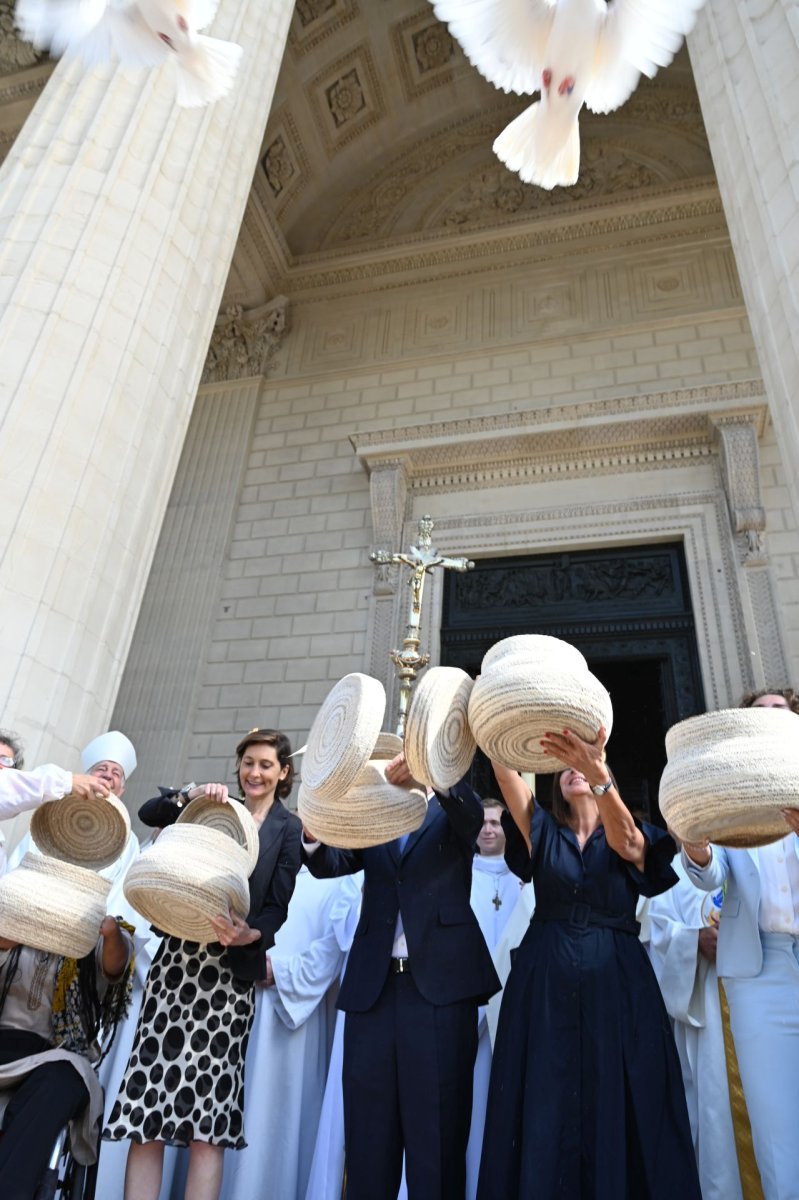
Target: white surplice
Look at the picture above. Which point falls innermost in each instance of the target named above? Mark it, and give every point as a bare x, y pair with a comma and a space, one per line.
494, 896
289, 1048
326, 1174
689, 984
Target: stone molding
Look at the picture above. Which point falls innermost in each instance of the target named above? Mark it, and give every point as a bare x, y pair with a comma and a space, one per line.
244, 344
629, 433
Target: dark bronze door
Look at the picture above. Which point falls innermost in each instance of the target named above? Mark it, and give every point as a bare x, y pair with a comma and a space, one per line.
627, 609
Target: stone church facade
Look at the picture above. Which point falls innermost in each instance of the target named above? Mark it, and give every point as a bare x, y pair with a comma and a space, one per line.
226, 389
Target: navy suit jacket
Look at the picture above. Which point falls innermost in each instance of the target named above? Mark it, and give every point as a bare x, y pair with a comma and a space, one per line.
429, 883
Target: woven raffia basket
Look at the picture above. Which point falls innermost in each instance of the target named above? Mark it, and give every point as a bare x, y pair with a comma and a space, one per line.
343, 735
372, 811
189, 874
87, 831
231, 819
53, 906
439, 745
728, 775
531, 685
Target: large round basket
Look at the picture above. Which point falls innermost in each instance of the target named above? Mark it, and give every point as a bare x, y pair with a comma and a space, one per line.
343, 735
439, 745
187, 876
729, 774
232, 819
88, 831
538, 685
52, 905
371, 812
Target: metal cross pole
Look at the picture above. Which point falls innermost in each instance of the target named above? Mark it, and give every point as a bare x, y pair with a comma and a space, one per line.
422, 558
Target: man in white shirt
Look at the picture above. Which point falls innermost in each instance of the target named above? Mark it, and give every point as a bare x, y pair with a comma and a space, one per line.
21, 791
758, 961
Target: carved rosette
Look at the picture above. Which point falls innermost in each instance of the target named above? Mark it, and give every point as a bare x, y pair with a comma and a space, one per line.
388, 490
740, 465
244, 344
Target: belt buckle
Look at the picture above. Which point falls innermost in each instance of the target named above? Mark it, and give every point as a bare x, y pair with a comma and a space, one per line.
401, 966
580, 914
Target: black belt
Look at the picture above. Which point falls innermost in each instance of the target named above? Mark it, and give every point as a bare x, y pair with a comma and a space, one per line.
400, 966
580, 916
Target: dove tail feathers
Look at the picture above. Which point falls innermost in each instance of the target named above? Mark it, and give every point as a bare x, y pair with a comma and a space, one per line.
207, 71
541, 148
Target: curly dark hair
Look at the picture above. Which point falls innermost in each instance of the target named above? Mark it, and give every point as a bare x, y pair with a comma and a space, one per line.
282, 748
787, 693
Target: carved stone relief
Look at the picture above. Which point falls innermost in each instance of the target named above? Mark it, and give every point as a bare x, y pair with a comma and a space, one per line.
15, 55
346, 98
737, 437
244, 344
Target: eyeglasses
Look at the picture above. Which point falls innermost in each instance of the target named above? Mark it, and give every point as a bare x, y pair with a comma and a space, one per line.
6, 760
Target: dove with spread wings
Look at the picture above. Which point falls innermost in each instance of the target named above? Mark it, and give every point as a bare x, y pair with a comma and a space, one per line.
139, 33
574, 52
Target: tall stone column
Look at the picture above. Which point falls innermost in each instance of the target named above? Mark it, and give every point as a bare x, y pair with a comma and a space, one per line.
745, 57
119, 214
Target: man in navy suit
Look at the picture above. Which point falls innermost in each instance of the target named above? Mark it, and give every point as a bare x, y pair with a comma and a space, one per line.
418, 969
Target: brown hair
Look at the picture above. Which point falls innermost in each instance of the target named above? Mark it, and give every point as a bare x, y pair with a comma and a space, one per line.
787, 693
490, 802
282, 748
561, 809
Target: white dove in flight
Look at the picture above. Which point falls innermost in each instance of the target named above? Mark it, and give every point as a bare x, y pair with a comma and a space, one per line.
574, 52
139, 33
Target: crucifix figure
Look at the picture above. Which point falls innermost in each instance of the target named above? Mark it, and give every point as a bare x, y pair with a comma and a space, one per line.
422, 558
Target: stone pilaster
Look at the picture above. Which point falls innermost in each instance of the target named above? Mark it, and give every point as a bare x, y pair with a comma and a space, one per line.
164, 670
119, 214
388, 490
746, 65
740, 468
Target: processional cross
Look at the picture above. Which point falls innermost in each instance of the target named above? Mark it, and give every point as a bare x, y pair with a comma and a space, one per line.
422, 559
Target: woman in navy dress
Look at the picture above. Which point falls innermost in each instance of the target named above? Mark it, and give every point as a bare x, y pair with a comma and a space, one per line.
586, 1099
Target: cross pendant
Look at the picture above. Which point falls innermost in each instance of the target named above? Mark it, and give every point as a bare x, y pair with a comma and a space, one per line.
497, 902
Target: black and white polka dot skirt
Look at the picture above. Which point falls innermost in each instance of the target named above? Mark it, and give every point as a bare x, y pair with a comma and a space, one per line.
185, 1078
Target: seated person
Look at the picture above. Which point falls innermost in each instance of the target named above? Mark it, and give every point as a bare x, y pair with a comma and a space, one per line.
51, 1012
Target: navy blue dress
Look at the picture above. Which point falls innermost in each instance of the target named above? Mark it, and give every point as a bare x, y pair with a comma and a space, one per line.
586, 1100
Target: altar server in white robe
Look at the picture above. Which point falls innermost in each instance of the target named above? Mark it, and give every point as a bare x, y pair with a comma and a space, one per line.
494, 896
326, 1176
289, 1048
682, 947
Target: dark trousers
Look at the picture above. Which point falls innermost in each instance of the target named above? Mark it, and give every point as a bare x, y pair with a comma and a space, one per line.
38, 1110
408, 1071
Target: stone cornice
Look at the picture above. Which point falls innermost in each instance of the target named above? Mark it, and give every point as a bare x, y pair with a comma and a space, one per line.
662, 216
629, 433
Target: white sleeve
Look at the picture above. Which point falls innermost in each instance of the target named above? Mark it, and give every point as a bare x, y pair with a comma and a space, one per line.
24, 790
301, 980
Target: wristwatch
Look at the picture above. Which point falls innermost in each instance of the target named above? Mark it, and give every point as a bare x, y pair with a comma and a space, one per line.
601, 788
184, 793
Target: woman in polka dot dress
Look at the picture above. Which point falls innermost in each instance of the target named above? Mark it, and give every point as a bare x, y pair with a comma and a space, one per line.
184, 1083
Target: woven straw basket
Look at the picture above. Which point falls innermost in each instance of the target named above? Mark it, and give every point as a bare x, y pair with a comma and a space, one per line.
53, 906
439, 745
231, 819
531, 687
343, 735
87, 831
371, 812
728, 775
190, 874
